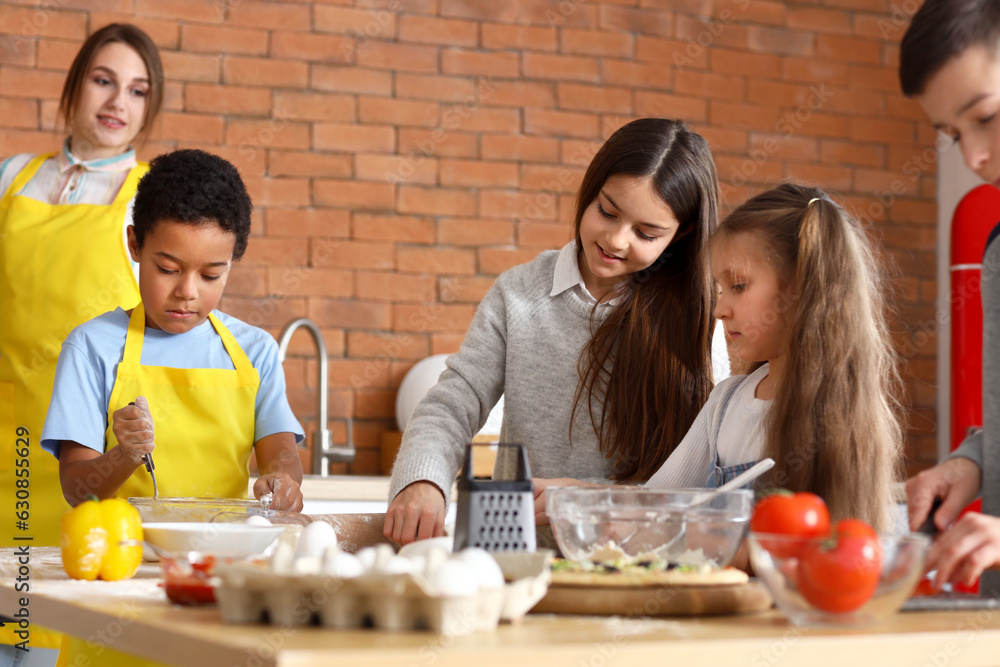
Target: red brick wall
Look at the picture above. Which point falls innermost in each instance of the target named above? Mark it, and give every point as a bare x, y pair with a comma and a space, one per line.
402, 153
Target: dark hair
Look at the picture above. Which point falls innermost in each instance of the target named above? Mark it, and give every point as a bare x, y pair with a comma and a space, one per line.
940, 31
833, 428
131, 36
194, 187
649, 363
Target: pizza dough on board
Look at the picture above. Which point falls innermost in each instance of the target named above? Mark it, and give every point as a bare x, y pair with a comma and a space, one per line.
641, 577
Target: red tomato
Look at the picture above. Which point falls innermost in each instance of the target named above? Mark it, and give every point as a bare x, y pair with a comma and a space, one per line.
854, 528
841, 574
802, 515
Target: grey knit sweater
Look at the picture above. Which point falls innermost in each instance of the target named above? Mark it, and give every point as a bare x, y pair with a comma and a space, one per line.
525, 344
983, 446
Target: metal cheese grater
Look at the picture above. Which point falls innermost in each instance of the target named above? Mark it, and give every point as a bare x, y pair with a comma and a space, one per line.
496, 515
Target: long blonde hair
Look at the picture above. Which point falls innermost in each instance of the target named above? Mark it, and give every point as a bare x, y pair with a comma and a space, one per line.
834, 426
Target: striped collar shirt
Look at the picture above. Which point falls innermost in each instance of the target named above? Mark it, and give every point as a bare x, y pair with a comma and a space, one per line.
66, 179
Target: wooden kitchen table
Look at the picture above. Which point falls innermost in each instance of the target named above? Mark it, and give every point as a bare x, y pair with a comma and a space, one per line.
135, 617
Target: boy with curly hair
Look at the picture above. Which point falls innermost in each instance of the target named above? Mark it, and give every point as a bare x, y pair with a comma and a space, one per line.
196, 388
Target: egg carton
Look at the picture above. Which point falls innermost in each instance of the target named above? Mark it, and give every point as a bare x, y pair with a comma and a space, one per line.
251, 593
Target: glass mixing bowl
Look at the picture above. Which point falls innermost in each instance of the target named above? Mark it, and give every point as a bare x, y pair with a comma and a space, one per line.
192, 509
777, 561
677, 526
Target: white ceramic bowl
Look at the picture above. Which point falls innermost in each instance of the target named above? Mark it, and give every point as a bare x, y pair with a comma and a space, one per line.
230, 539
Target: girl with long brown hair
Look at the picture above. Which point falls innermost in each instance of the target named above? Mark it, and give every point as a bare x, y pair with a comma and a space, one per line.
800, 297
601, 350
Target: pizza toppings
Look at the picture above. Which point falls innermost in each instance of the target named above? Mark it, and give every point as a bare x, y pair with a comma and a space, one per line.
625, 566
611, 553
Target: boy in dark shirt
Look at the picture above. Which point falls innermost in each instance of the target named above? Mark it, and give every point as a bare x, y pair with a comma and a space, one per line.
950, 63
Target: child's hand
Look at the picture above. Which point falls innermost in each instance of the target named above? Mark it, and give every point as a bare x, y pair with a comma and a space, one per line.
286, 491
416, 513
133, 428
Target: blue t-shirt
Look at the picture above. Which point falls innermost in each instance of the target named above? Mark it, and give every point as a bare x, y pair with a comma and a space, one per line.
88, 364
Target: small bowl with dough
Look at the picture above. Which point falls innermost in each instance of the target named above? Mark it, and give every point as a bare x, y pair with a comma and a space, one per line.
617, 525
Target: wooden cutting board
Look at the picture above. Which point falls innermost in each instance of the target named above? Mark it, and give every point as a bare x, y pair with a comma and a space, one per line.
655, 600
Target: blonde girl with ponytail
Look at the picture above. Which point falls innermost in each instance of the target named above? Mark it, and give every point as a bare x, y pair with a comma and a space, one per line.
800, 295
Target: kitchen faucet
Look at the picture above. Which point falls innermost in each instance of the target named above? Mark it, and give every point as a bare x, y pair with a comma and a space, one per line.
323, 452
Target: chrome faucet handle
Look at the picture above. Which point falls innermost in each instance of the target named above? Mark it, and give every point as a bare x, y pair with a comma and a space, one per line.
265, 503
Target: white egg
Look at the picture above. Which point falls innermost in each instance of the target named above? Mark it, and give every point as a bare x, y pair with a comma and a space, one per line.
422, 547
257, 520
307, 565
488, 572
418, 564
337, 563
399, 565
281, 560
315, 539
455, 579
374, 558
435, 558
367, 558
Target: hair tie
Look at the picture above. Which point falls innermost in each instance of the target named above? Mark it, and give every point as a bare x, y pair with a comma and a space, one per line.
811, 201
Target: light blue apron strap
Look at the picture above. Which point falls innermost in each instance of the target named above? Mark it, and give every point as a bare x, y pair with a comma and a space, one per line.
714, 480
730, 472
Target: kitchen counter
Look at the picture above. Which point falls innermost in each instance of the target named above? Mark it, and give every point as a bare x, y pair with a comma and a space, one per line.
349, 487
345, 487
134, 616
351, 494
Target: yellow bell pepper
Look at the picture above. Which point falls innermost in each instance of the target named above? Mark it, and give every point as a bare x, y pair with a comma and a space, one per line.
92, 535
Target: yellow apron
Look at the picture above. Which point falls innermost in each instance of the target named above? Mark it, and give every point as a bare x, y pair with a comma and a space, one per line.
60, 265
203, 419
203, 425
